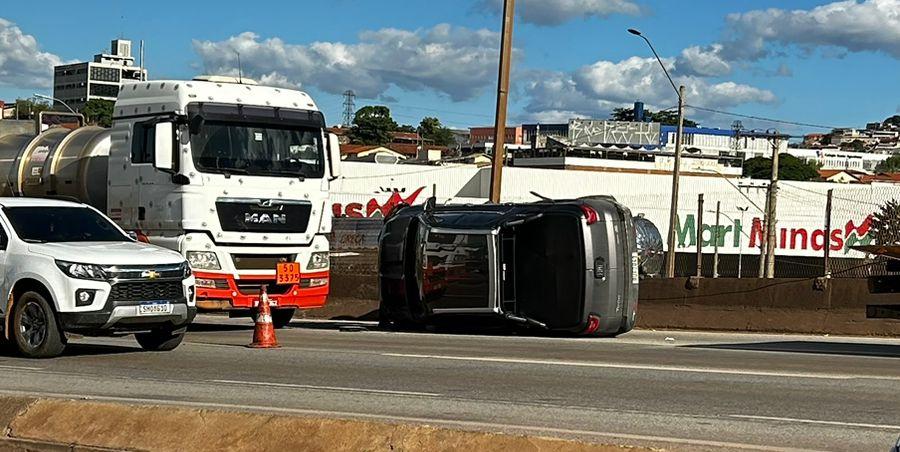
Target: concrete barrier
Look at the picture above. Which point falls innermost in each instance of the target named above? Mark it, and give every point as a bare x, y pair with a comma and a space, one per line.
83, 425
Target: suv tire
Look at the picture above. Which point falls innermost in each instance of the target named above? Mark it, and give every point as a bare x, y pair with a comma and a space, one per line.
159, 340
36, 333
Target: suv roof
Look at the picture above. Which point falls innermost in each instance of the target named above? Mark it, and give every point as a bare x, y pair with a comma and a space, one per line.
37, 202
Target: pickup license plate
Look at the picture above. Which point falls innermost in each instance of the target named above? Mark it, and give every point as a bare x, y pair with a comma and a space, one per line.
155, 308
287, 273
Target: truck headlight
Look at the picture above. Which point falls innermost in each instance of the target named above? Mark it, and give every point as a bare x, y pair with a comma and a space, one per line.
83, 271
318, 261
203, 260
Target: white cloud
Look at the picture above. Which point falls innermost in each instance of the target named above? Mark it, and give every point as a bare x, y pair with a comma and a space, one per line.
852, 25
455, 61
556, 12
596, 89
706, 62
22, 63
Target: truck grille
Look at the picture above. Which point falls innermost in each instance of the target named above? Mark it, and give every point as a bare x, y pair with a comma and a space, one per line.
260, 261
251, 287
147, 291
255, 215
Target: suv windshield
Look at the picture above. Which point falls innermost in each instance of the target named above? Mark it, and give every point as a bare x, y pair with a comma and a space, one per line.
263, 141
62, 224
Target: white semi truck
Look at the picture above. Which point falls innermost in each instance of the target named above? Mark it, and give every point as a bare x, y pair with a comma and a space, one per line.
233, 175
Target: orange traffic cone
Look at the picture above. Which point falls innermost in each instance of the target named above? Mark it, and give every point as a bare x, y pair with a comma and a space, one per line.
264, 333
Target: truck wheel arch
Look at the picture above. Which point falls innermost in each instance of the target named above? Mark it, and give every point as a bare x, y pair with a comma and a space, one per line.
20, 287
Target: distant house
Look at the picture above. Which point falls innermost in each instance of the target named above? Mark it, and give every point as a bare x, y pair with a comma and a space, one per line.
842, 176
372, 154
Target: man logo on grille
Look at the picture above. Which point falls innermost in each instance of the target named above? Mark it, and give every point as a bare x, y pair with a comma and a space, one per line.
150, 274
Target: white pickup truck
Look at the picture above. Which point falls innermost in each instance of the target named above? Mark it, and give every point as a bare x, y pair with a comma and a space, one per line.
67, 268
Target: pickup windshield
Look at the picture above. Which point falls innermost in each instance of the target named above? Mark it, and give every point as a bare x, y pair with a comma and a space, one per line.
62, 224
256, 141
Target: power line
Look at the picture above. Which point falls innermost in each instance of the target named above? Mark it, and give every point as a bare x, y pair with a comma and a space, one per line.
760, 118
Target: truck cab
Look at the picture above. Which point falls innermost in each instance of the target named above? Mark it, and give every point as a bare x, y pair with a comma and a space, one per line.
233, 175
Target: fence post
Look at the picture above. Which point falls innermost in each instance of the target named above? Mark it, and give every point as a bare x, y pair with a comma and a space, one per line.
716, 242
827, 261
700, 235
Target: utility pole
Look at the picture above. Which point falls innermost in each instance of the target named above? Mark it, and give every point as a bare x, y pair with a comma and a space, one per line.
676, 176
700, 235
763, 240
502, 98
716, 242
827, 262
771, 222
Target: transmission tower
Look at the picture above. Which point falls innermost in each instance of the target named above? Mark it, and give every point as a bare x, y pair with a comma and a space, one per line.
349, 107
736, 128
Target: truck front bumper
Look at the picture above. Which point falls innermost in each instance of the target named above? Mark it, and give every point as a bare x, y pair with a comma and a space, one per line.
243, 292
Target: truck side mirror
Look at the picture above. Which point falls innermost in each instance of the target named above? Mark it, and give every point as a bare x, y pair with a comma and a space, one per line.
334, 155
163, 143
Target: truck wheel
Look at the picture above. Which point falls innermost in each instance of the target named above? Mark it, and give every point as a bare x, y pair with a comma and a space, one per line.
159, 340
35, 331
282, 317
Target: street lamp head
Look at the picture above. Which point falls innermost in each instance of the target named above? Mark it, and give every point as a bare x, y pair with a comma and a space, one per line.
634, 32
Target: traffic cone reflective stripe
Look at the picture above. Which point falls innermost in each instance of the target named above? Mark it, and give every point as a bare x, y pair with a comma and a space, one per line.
264, 332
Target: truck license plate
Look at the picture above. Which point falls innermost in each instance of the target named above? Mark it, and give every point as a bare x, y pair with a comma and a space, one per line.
155, 308
287, 273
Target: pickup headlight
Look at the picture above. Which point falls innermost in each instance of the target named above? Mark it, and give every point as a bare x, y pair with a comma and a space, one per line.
203, 260
83, 271
318, 261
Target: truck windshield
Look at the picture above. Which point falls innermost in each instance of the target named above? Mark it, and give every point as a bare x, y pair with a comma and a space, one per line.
258, 149
62, 224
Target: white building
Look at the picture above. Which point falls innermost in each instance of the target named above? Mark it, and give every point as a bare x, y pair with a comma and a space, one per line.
836, 159
77, 83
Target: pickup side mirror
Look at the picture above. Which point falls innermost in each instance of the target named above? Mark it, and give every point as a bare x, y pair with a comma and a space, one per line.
163, 143
334, 155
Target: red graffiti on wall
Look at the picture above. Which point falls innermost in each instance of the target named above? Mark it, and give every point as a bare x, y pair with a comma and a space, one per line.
373, 208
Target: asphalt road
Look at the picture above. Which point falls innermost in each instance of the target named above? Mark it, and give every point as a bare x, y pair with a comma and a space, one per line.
681, 390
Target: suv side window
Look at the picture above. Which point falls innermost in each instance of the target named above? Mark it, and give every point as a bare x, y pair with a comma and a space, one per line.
4, 238
143, 142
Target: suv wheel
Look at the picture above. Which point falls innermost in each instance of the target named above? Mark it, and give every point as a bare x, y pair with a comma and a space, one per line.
159, 340
35, 331
282, 317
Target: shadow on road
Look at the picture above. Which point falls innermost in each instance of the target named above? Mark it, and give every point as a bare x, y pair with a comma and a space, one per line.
83, 349
823, 348
218, 327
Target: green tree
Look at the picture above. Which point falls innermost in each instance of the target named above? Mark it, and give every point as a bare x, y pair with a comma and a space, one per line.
891, 165
666, 117
789, 168
29, 109
98, 112
432, 129
372, 125
892, 121
854, 146
406, 128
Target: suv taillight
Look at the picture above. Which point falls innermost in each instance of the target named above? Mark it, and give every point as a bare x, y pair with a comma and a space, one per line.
593, 324
589, 214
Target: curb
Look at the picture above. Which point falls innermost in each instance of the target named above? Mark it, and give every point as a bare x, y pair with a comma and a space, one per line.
62, 424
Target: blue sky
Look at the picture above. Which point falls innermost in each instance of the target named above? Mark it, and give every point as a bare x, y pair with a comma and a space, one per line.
819, 62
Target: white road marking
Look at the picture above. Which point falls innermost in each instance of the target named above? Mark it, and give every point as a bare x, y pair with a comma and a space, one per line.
472, 425
812, 421
20, 367
704, 370
328, 388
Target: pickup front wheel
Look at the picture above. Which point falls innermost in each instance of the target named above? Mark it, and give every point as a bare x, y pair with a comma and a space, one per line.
35, 331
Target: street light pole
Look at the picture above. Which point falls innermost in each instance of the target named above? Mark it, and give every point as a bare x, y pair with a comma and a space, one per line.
51, 98
676, 169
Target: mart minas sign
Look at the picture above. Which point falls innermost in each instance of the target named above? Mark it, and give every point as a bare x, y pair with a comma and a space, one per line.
797, 240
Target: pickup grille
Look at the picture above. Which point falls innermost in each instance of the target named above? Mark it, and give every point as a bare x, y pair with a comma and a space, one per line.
147, 291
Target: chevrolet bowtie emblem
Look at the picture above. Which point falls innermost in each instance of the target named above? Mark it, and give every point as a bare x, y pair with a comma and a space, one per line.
150, 274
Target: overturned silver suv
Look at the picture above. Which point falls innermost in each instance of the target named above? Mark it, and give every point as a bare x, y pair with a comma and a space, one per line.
569, 266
